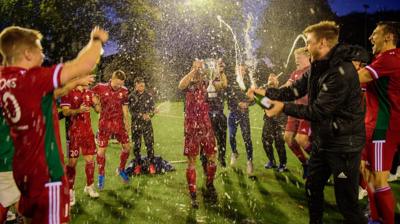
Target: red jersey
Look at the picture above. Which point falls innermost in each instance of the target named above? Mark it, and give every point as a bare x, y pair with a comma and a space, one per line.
111, 102
296, 75
30, 111
196, 106
80, 123
383, 94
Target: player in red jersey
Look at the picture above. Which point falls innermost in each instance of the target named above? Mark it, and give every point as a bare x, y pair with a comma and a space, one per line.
198, 130
382, 119
77, 105
297, 131
26, 90
114, 116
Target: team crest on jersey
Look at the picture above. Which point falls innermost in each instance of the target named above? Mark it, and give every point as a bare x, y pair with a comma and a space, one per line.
87, 97
106, 94
76, 98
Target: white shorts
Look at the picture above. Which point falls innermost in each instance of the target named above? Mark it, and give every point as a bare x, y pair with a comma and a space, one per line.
9, 193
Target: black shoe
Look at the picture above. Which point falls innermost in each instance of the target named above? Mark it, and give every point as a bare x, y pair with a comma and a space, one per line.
210, 194
193, 202
222, 162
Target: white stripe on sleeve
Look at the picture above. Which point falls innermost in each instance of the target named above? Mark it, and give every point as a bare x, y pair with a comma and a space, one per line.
56, 74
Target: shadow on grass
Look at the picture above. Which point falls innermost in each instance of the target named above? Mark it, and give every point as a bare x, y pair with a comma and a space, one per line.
117, 206
254, 209
296, 190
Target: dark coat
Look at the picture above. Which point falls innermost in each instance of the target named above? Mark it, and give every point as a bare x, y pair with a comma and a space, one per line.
334, 102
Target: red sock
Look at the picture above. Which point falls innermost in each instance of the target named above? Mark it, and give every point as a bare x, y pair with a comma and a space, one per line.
71, 176
191, 179
211, 169
123, 158
101, 163
372, 205
385, 203
3, 214
297, 151
89, 170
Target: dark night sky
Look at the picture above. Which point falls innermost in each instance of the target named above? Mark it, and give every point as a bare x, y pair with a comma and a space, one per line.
342, 7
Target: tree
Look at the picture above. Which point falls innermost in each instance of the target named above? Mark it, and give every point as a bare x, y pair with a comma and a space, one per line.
65, 25
283, 20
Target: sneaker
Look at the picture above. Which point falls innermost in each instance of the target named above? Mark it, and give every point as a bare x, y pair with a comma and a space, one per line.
193, 201
392, 177
89, 190
152, 168
137, 170
11, 216
211, 194
270, 165
305, 171
100, 184
282, 168
362, 193
71, 197
234, 157
123, 175
250, 168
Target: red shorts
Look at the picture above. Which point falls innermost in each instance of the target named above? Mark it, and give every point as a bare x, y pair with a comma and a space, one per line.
199, 136
298, 126
379, 154
108, 129
48, 204
81, 142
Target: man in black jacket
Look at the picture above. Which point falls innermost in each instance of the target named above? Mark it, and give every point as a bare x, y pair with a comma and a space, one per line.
141, 107
337, 121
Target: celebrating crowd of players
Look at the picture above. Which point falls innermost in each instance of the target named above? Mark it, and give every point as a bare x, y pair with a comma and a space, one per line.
332, 128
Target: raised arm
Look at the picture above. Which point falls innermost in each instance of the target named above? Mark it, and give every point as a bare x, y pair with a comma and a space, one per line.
188, 78
87, 57
222, 83
295, 91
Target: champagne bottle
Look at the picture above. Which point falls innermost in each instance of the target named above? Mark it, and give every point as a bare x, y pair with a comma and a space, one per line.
263, 101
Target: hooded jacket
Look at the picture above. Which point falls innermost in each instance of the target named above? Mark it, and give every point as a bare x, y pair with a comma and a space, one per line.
334, 107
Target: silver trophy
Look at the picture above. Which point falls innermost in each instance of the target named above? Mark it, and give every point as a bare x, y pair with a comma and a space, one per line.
210, 66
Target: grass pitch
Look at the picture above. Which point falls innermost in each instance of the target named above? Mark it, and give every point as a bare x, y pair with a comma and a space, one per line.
271, 198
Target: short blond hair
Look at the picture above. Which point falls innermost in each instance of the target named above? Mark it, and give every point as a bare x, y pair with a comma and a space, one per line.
325, 29
15, 39
302, 50
118, 74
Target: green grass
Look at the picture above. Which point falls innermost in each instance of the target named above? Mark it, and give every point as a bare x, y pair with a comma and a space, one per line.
271, 198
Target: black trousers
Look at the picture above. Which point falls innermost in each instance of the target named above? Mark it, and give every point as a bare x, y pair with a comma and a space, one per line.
236, 118
345, 170
272, 132
219, 124
143, 129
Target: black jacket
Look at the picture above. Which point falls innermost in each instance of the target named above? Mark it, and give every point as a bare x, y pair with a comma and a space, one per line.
140, 104
334, 102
